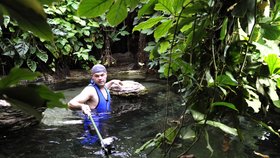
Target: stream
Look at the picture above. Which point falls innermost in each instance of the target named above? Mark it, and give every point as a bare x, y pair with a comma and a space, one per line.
139, 119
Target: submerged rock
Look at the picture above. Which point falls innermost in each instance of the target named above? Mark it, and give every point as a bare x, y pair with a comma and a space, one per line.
129, 88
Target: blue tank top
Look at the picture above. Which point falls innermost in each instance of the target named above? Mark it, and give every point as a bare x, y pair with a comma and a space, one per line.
103, 104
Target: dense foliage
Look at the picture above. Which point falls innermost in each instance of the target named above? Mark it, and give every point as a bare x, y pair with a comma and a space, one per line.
224, 55
73, 40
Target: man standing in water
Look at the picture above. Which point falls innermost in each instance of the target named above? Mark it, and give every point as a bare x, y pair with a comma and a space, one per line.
94, 100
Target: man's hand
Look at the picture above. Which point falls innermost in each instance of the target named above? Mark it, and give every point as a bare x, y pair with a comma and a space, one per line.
86, 109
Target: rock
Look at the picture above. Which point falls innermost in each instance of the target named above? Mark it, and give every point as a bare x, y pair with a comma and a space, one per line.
128, 88
12, 119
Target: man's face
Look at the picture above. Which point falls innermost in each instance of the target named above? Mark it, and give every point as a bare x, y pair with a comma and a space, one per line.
100, 78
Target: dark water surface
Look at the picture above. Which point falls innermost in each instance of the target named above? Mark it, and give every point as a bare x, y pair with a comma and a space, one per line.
60, 133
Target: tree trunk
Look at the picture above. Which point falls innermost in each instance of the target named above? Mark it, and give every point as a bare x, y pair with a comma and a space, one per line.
61, 70
106, 56
142, 56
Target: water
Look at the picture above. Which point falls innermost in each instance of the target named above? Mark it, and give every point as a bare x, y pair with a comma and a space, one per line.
135, 121
59, 134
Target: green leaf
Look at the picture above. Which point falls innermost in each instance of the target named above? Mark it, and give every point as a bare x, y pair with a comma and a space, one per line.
54, 99
209, 78
155, 142
79, 20
223, 127
52, 49
165, 5
186, 24
200, 118
22, 48
278, 82
275, 12
117, 13
93, 24
147, 24
162, 29
273, 63
16, 75
68, 48
187, 133
166, 70
224, 29
94, 8
226, 104
271, 32
272, 92
147, 8
42, 55
132, 4
163, 46
268, 127
31, 65
177, 6
198, 34
170, 134
30, 16
208, 143
192, 9
226, 80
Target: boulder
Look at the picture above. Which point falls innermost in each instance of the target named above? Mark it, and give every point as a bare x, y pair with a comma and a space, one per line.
128, 88
12, 119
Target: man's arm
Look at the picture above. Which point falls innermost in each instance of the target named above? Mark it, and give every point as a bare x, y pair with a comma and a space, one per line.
78, 102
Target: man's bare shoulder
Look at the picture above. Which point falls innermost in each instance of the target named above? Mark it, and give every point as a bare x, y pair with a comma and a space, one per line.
88, 89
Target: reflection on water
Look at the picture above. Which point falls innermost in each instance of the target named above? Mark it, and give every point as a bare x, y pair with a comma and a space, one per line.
135, 121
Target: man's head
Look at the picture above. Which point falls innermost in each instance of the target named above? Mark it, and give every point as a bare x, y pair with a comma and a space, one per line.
98, 68
99, 74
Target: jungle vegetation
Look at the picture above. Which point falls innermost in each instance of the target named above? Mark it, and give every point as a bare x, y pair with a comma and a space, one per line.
224, 55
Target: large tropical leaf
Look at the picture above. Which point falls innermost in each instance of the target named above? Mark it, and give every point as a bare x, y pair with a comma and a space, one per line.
178, 5
117, 13
52, 99
30, 16
94, 8
28, 98
16, 75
